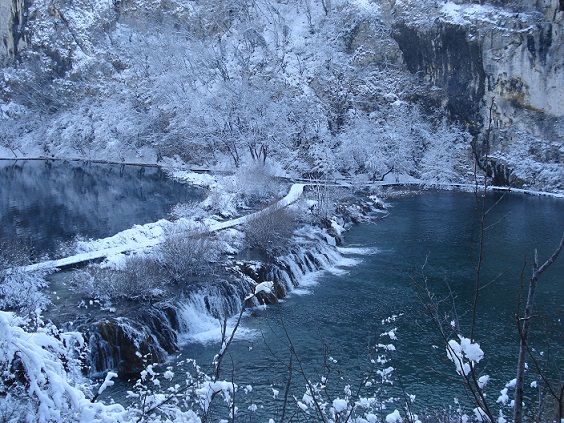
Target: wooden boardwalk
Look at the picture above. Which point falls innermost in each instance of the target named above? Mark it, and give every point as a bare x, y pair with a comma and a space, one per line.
295, 192
293, 195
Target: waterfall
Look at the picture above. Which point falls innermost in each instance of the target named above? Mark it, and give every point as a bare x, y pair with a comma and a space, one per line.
202, 311
127, 345
154, 332
315, 250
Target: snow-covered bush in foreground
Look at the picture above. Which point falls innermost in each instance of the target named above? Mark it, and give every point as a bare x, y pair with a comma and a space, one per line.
41, 382
20, 290
38, 370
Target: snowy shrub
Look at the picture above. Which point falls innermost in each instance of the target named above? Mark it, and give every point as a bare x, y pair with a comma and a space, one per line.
271, 231
323, 201
185, 253
39, 374
446, 154
402, 141
140, 278
180, 257
256, 181
20, 290
187, 211
222, 204
367, 399
185, 393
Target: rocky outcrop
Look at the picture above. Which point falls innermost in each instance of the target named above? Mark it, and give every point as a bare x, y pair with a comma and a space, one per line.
500, 70
13, 26
128, 344
448, 59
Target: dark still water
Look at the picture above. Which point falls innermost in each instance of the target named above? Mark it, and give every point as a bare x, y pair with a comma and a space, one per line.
432, 236
45, 203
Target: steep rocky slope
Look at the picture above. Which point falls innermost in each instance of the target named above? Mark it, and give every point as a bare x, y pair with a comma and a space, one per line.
389, 86
500, 67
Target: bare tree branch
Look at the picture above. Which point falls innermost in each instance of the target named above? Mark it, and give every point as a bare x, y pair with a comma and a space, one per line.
524, 326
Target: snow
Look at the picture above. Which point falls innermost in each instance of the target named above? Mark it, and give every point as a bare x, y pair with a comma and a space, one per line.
367, 7
306, 55
482, 381
464, 354
391, 334
511, 383
41, 357
472, 350
340, 405
503, 397
202, 178
266, 287
142, 237
107, 382
394, 417
464, 14
211, 388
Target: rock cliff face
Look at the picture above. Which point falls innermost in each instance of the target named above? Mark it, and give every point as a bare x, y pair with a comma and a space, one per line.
501, 71
447, 59
496, 67
13, 26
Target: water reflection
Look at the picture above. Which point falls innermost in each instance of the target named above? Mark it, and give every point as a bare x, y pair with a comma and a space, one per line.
45, 203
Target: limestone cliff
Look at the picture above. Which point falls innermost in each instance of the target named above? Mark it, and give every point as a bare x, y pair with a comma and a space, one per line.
13, 30
500, 68
497, 67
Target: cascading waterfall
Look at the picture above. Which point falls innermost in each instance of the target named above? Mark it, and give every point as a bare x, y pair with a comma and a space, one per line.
125, 344
315, 251
155, 332
202, 310
101, 355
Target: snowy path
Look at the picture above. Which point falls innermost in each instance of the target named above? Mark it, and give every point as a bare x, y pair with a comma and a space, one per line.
295, 192
150, 235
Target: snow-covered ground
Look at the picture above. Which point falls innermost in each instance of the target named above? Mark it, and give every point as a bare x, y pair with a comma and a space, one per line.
144, 237
141, 238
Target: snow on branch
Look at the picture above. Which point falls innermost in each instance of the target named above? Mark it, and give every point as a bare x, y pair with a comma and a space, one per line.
35, 364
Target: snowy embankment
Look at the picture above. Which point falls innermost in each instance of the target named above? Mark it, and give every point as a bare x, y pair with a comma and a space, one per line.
468, 187
143, 237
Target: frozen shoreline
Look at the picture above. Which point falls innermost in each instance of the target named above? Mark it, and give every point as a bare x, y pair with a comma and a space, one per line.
173, 168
